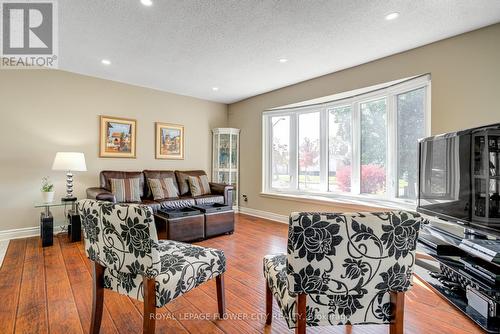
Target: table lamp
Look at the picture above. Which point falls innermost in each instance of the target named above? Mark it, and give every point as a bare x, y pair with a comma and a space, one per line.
69, 162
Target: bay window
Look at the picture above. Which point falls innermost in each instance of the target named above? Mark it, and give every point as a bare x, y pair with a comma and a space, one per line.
363, 145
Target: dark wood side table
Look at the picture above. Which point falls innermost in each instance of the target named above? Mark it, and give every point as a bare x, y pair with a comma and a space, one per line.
180, 224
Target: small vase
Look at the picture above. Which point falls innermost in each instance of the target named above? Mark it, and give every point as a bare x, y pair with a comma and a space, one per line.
48, 196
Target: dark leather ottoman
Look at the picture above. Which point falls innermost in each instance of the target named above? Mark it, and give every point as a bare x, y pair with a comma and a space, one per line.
219, 219
186, 224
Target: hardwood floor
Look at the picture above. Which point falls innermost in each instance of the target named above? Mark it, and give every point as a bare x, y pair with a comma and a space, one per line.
46, 290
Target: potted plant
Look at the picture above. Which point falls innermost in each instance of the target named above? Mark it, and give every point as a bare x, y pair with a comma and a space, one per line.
47, 190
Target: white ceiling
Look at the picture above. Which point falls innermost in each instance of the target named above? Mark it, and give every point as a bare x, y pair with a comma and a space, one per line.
187, 47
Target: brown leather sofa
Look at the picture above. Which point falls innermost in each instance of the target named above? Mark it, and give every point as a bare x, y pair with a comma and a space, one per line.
220, 193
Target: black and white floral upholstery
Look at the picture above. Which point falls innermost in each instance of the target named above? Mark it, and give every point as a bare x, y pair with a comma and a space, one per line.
346, 264
122, 238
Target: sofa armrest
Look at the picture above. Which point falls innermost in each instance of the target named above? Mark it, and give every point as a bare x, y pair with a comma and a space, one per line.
223, 189
101, 194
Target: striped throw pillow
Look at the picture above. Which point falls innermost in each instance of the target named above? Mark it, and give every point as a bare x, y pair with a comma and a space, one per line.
199, 185
126, 190
163, 188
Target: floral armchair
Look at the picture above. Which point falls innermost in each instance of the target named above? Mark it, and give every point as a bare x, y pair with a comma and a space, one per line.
343, 269
128, 258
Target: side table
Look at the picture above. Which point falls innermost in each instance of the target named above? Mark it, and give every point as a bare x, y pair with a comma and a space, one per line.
47, 221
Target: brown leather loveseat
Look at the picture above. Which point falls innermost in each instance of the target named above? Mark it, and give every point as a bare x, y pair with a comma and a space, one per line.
219, 193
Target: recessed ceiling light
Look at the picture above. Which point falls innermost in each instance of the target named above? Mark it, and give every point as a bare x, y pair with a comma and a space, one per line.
392, 16
215, 89
106, 62
147, 3
283, 60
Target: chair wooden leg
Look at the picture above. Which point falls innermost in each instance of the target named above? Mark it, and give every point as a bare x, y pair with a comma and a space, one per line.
269, 305
149, 316
301, 314
97, 297
221, 300
397, 309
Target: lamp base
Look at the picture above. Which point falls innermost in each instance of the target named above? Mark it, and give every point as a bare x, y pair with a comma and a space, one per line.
68, 199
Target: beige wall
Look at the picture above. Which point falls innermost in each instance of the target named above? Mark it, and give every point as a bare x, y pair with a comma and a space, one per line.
465, 92
44, 111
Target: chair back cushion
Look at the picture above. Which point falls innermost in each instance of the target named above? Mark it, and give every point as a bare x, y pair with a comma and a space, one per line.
348, 263
120, 237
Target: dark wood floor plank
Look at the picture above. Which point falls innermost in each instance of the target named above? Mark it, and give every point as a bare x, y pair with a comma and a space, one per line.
81, 285
234, 322
68, 278
11, 274
32, 309
62, 311
166, 322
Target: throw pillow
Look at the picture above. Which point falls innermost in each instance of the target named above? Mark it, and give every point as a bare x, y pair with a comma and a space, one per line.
199, 185
126, 190
163, 188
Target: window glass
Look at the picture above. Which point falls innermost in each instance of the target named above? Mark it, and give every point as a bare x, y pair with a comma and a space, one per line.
373, 146
339, 149
280, 165
367, 145
411, 127
309, 148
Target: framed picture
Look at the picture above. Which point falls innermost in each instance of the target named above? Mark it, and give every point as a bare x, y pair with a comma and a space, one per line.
117, 137
169, 141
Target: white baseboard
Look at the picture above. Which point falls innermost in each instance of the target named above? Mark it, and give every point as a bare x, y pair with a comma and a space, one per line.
25, 232
264, 214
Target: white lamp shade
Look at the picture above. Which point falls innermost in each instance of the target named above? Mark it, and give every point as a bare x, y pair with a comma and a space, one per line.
70, 161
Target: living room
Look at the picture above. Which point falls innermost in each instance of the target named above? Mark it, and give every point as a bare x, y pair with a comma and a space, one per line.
290, 133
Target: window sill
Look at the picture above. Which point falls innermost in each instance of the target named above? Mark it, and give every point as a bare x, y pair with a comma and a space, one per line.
345, 200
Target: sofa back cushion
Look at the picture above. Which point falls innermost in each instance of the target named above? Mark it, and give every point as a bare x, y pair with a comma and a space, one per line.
163, 188
158, 174
126, 190
182, 179
106, 175
198, 185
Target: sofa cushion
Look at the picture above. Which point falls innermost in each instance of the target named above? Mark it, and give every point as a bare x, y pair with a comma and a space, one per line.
209, 199
158, 174
179, 203
199, 185
126, 190
163, 188
182, 179
106, 175
152, 204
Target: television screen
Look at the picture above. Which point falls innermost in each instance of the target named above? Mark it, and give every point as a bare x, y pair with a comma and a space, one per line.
444, 176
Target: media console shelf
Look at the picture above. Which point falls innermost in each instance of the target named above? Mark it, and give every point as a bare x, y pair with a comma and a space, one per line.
455, 274
486, 175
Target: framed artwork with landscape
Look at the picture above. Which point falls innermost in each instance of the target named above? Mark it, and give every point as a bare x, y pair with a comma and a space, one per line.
169, 141
117, 137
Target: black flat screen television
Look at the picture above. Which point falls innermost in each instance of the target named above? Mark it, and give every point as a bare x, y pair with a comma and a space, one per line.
445, 176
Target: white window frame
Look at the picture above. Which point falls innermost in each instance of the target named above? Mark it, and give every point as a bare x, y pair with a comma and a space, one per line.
390, 93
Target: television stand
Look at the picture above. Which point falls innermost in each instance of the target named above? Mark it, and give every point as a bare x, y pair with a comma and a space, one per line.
457, 275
